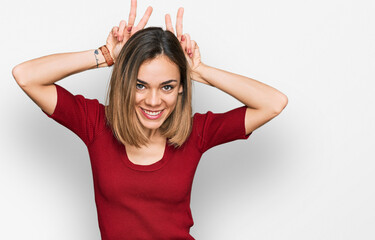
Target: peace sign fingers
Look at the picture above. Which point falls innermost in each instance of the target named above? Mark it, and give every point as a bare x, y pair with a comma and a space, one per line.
168, 23
142, 23
180, 15
133, 13
169, 26
119, 35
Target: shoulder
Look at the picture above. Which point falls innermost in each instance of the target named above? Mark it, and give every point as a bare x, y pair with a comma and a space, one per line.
209, 116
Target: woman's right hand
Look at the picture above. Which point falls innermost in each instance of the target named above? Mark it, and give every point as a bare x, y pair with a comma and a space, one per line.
120, 34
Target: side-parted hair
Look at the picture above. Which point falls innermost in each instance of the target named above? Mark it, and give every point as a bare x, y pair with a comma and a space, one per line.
144, 45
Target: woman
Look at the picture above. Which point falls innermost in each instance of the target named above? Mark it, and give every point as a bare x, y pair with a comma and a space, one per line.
145, 145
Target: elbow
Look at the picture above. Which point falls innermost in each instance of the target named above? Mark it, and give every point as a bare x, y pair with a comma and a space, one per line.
17, 75
281, 104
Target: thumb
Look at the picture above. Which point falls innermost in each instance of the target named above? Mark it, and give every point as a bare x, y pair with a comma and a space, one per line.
194, 45
195, 48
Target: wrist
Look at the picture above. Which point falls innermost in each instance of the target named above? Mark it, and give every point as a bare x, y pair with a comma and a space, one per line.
107, 55
198, 72
99, 59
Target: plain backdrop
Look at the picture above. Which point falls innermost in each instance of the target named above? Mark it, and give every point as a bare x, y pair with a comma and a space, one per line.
307, 174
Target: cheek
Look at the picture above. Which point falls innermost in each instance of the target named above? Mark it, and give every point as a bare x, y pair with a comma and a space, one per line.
172, 100
138, 98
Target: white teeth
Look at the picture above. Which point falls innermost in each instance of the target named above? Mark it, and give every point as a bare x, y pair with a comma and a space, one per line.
152, 113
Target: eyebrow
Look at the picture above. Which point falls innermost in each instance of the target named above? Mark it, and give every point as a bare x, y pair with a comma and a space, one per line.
166, 82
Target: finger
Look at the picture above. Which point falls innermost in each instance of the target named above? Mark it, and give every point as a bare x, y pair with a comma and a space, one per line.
184, 44
194, 47
115, 31
188, 45
133, 13
121, 30
168, 23
145, 18
180, 15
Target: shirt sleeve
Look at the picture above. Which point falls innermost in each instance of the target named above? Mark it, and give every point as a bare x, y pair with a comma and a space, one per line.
217, 128
85, 117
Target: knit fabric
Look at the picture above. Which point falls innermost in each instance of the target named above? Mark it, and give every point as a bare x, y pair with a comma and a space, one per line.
143, 201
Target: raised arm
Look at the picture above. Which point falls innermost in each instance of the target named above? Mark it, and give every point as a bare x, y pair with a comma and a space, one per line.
49, 69
36, 76
180, 36
263, 102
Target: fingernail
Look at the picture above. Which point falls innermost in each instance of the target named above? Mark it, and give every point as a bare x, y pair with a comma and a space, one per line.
189, 52
182, 38
129, 29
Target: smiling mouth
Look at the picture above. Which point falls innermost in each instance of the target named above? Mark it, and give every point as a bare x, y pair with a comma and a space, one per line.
152, 114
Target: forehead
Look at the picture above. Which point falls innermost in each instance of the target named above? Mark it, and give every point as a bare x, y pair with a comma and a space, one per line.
158, 70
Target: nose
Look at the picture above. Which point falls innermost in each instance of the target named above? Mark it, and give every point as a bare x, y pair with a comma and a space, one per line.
153, 98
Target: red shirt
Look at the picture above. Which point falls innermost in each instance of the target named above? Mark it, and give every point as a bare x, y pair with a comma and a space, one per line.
143, 201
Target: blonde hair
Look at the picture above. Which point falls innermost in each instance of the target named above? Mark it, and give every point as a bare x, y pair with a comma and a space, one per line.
144, 45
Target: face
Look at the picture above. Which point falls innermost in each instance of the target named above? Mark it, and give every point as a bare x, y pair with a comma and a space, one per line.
157, 88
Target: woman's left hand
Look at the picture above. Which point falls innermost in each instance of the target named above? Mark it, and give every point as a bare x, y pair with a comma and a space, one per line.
189, 46
192, 52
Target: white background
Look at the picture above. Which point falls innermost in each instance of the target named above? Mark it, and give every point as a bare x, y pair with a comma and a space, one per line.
307, 174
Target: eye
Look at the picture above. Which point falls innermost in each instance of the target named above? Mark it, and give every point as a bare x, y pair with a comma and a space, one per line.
168, 87
139, 86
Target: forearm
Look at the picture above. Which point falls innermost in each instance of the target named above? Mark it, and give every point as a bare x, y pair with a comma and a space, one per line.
250, 92
48, 69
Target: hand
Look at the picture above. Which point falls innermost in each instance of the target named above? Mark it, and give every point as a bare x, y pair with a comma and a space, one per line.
192, 55
189, 46
120, 34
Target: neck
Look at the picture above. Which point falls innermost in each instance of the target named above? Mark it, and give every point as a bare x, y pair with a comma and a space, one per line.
153, 134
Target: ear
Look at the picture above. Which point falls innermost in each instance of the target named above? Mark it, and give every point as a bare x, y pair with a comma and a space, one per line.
180, 89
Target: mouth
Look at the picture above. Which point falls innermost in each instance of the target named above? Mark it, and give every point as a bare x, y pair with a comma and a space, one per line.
152, 114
